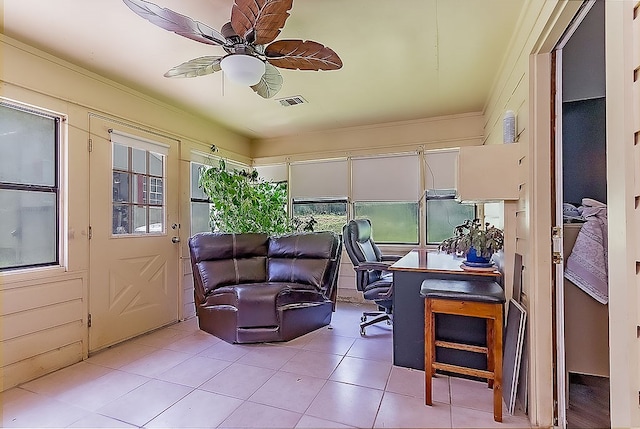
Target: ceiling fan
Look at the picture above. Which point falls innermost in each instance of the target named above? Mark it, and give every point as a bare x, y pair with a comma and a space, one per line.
248, 39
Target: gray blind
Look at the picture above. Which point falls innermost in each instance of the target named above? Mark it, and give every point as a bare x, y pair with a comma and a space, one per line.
386, 178
441, 168
319, 179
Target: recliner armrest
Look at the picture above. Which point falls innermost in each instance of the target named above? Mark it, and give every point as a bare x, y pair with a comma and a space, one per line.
378, 266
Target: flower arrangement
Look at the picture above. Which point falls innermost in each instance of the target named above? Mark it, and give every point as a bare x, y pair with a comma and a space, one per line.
485, 239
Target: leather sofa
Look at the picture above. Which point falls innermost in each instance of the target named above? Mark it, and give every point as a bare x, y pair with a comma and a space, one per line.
254, 288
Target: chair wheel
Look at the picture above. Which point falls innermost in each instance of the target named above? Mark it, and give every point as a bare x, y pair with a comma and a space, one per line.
363, 319
362, 333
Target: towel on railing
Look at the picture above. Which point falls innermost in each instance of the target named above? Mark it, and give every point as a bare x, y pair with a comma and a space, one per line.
587, 265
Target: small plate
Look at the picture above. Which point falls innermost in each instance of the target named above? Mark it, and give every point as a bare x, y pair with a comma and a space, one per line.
478, 264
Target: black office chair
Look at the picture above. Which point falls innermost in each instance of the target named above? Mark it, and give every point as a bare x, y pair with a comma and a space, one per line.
372, 277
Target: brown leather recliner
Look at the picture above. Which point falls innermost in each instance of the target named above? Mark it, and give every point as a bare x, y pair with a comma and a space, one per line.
255, 288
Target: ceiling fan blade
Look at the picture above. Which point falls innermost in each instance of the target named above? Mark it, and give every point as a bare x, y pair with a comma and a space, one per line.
259, 21
270, 83
179, 24
196, 67
302, 55
228, 31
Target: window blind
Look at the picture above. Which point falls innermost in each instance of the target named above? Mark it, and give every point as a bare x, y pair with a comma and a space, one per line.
386, 178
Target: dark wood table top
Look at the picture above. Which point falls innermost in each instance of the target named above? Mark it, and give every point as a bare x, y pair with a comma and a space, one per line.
432, 261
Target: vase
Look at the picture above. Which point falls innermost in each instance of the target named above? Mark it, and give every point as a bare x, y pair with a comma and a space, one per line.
473, 257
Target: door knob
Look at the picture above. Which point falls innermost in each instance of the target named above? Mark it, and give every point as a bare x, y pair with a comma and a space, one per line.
175, 239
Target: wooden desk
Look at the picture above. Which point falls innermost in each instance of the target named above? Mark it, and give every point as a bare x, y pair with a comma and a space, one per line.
408, 310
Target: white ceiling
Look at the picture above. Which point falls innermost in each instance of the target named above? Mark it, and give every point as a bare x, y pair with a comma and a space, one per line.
403, 59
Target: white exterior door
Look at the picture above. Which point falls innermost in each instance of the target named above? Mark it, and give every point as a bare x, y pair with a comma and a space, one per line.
133, 278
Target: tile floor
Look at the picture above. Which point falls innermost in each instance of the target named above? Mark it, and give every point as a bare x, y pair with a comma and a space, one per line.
180, 377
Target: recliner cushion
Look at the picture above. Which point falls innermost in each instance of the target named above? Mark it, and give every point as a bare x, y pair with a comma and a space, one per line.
217, 273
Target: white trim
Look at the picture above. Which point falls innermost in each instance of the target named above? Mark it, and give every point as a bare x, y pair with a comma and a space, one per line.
125, 139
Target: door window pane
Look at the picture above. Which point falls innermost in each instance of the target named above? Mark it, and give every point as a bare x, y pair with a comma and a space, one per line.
391, 222
138, 191
139, 161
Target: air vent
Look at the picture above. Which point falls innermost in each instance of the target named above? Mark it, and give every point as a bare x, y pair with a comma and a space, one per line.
291, 101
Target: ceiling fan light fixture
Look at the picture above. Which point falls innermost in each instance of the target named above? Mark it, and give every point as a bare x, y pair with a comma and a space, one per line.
243, 69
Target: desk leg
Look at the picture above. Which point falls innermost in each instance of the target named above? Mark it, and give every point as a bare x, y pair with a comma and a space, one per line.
429, 352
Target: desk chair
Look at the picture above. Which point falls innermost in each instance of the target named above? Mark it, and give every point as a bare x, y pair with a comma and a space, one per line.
474, 298
372, 278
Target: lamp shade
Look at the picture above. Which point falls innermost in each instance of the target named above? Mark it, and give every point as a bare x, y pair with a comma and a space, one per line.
243, 69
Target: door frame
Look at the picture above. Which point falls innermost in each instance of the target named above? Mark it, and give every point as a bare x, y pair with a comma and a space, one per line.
169, 219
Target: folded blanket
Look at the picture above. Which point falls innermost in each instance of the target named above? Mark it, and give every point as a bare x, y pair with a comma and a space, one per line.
587, 265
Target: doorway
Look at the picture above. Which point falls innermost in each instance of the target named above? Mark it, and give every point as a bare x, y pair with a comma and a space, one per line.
133, 261
580, 219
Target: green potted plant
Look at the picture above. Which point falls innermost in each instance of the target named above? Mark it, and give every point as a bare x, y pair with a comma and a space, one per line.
475, 241
241, 201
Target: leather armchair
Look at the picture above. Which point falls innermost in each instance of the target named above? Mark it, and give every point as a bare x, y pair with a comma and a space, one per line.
372, 277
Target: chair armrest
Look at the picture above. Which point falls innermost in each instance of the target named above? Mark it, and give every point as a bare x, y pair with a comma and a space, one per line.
391, 258
377, 266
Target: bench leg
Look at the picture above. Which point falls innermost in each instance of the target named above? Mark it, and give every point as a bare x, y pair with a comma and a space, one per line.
490, 355
429, 352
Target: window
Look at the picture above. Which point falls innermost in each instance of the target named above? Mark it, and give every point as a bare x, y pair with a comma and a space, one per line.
329, 215
386, 190
200, 206
392, 222
138, 185
29, 188
200, 203
444, 213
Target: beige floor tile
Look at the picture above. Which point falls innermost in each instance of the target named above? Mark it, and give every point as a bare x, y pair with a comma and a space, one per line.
226, 351
189, 325
99, 392
161, 338
155, 363
328, 343
66, 378
199, 409
118, 356
268, 356
315, 423
468, 418
314, 364
362, 372
399, 411
99, 421
410, 382
35, 410
237, 380
289, 391
471, 394
194, 371
374, 348
348, 404
252, 415
144, 403
194, 343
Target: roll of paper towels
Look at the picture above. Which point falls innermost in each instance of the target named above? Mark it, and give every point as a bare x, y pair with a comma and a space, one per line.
509, 127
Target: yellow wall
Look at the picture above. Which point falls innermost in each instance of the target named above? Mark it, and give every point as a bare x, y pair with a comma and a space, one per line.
43, 312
